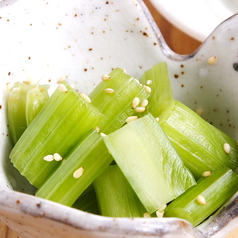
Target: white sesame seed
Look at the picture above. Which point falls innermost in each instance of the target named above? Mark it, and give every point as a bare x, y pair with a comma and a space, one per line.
157, 119
85, 97
161, 209
206, 173
109, 90
147, 88
199, 111
159, 214
146, 215
102, 134
201, 200
62, 88
78, 173
105, 77
212, 60
97, 129
57, 157
144, 103
149, 81
60, 80
131, 118
8, 87
48, 158
140, 109
135, 102
227, 148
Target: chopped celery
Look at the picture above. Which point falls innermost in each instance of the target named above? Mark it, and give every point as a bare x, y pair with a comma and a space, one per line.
149, 162
35, 100
116, 198
58, 128
117, 104
198, 143
201, 200
22, 107
157, 78
87, 201
90, 158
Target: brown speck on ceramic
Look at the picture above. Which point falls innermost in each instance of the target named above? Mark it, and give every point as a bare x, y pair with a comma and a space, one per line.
182, 85
176, 76
145, 34
235, 66
0, 106
232, 38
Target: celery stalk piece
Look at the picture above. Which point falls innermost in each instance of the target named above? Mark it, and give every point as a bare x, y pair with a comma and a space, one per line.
116, 198
161, 97
19, 105
35, 100
77, 172
59, 127
116, 104
87, 201
216, 189
198, 143
149, 162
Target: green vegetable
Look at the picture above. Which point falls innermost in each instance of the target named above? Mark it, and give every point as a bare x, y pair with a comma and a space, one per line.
149, 162
201, 200
59, 127
157, 78
23, 104
116, 198
77, 171
198, 143
114, 96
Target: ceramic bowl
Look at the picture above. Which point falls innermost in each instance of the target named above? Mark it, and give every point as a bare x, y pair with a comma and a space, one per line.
83, 40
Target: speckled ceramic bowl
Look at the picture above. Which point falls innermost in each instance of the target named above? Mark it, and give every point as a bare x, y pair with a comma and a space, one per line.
83, 39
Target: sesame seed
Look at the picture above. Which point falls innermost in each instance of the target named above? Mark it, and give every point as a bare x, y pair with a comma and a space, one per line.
105, 77
140, 109
159, 214
131, 118
201, 200
146, 215
206, 173
60, 80
199, 111
57, 157
63, 88
144, 103
78, 173
157, 119
212, 60
102, 134
135, 102
109, 90
147, 88
97, 129
149, 81
227, 148
85, 97
48, 158
8, 87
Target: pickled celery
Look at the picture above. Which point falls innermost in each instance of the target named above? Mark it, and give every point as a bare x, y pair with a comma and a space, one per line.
59, 127
201, 200
116, 198
23, 103
149, 162
199, 144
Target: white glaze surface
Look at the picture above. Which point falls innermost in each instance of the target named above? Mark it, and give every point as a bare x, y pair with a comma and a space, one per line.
84, 40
